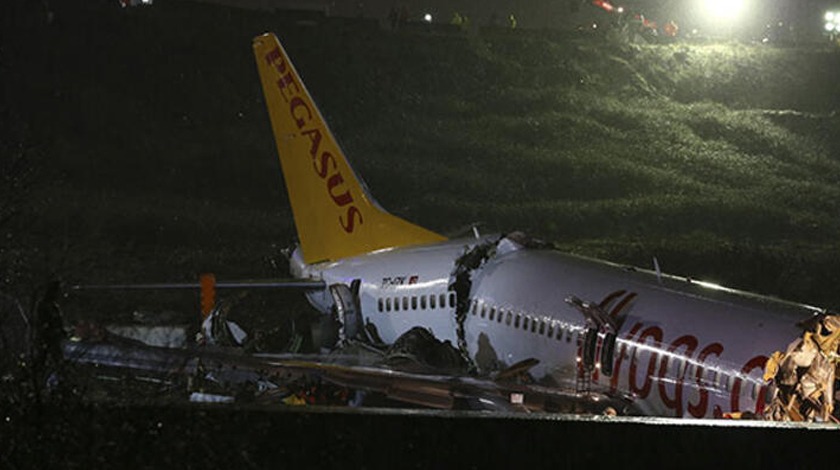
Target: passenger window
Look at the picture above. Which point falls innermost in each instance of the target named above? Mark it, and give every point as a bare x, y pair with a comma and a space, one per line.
475, 308
414, 302
423, 302
483, 311
492, 313
405, 303
388, 304
569, 335
499, 317
381, 304
517, 320
542, 327
550, 329
397, 304
533, 325
560, 328
442, 301
525, 322
432, 301
452, 300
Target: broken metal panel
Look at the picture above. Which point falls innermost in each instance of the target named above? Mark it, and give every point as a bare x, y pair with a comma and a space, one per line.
163, 336
199, 397
418, 349
460, 282
349, 312
804, 375
126, 354
293, 379
595, 315
216, 329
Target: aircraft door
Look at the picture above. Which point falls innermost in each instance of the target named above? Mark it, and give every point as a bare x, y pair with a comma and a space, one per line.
608, 353
598, 350
348, 309
590, 348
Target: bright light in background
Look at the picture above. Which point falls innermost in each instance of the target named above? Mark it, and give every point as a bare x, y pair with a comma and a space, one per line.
724, 9
427, 17
832, 22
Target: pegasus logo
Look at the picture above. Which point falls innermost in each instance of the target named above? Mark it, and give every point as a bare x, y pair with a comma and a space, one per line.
323, 162
651, 357
671, 393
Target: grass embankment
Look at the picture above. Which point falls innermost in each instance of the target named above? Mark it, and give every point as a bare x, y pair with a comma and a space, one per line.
162, 162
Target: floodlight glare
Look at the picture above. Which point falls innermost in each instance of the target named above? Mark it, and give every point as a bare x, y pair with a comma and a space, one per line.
832, 22
724, 9
427, 17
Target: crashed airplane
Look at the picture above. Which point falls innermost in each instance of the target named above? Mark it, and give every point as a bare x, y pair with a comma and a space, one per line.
583, 330
671, 346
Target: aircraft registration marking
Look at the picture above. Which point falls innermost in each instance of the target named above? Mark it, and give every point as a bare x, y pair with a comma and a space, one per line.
394, 281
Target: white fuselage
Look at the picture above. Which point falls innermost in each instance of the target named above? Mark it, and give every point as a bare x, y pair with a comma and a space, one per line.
682, 348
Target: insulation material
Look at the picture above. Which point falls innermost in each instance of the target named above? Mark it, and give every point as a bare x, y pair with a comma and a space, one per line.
804, 375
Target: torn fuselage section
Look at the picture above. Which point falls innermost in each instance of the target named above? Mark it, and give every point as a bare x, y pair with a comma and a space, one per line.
461, 282
467, 268
805, 374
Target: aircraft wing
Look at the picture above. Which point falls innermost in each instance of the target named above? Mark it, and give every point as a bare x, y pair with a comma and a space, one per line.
290, 283
278, 374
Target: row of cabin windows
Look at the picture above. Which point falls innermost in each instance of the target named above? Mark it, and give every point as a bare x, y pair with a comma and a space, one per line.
414, 302
550, 328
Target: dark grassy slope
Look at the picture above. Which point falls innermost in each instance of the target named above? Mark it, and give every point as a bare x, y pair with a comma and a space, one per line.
159, 161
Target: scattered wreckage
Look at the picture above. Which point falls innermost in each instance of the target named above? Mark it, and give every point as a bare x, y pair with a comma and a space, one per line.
416, 370
805, 374
139, 363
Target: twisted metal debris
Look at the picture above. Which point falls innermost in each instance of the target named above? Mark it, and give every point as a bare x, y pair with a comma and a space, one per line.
805, 373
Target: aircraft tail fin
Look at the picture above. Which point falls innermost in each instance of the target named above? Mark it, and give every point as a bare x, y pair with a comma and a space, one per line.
335, 217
